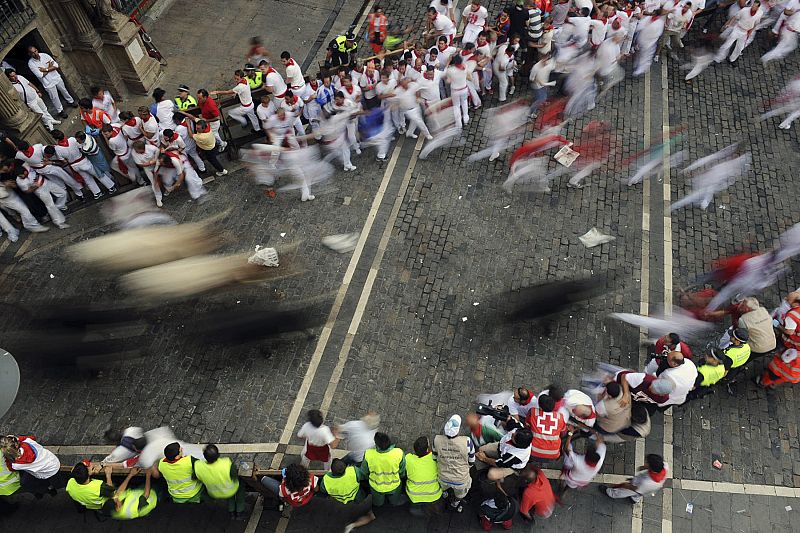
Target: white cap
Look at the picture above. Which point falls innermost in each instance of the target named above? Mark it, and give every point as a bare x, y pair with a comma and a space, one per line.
453, 426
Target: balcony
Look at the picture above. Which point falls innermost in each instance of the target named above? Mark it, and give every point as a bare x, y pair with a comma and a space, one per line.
15, 15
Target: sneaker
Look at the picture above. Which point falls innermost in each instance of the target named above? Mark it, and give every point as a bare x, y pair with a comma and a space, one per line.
412, 135
223, 146
63, 114
13, 237
358, 150
98, 196
494, 156
308, 198
348, 528
63, 226
159, 203
575, 186
379, 158
429, 137
784, 126
603, 488
56, 122
222, 172
63, 208
112, 190
511, 90
656, 58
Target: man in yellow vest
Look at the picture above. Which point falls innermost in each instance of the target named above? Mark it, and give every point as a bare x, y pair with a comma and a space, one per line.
93, 494
385, 467
130, 504
341, 51
184, 100
342, 484
178, 471
422, 477
221, 479
9, 484
736, 355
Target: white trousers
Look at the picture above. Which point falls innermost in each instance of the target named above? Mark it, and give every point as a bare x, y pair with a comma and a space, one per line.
46, 193
503, 80
38, 106
785, 46
89, 175
13, 203
53, 91
623, 493
415, 120
191, 151
242, 114
132, 173
738, 37
644, 57
460, 108
215, 130
8, 227
63, 178
470, 34
473, 93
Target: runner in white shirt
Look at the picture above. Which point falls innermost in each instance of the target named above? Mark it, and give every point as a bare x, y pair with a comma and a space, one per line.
294, 107
385, 91
31, 97
789, 9
280, 129
456, 75
45, 68
341, 130
406, 94
351, 91
171, 171
580, 469
122, 161
788, 40
484, 47
441, 25
446, 52
35, 158
265, 110
273, 82
148, 126
294, 75
741, 25
474, 19
182, 128
29, 181
165, 108
429, 86
649, 479
68, 150
648, 32
146, 155
246, 110
444, 7
102, 99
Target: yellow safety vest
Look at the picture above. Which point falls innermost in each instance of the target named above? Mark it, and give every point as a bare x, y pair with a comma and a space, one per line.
422, 479
129, 508
180, 482
384, 469
217, 478
183, 105
257, 81
711, 374
87, 495
738, 354
343, 488
342, 46
9, 480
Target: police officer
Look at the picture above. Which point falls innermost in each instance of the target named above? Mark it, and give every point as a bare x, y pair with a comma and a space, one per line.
384, 466
221, 480
93, 494
178, 471
255, 78
736, 355
184, 100
341, 51
342, 484
422, 477
9, 484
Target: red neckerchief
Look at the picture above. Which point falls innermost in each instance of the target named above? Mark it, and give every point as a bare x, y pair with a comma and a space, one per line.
290, 62
114, 132
530, 398
658, 477
174, 137
314, 85
293, 102
242, 82
28, 151
350, 89
131, 122
205, 130
478, 432
461, 66
63, 142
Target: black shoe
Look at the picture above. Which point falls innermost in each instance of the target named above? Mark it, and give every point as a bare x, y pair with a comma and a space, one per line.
112, 190
73, 104
98, 196
63, 114
52, 491
603, 488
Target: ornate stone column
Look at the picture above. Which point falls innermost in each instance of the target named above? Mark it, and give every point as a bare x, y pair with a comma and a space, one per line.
17, 119
125, 49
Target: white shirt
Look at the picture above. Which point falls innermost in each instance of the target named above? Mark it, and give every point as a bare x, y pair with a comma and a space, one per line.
295, 109
367, 83
352, 94
36, 159
445, 55
169, 174
444, 25
150, 153
410, 73
118, 144
150, 126
546, 41
182, 130
520, 410
745, 21
644, 483
540, 74
107, 105
133, 133
164, 111
442, 9
430, 88
294, 75
682, 377
46, 463
316, 436
70, 153
274, 82
407, 97
242, 90
279, 128
476, 20
580, 4
50, 79
457, 77
264, 112
579, 472
357, 437
27, 93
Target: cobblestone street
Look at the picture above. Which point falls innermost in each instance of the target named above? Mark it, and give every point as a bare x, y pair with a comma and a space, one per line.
411, 326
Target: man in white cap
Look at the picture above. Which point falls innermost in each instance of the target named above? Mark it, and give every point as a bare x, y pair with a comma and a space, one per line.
454, 454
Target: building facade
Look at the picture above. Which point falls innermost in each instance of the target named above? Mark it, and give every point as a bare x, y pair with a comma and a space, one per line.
93, 44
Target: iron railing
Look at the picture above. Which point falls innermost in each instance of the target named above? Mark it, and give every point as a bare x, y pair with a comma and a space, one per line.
15, 15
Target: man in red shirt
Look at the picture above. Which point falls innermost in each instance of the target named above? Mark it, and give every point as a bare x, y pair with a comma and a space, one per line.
671, 342
538, 494
210, 113
296, 488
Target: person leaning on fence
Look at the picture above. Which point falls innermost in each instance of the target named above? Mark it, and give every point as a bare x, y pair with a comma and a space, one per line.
341, 51
221, 479
130, 504
92, 494
342, 484
178, 471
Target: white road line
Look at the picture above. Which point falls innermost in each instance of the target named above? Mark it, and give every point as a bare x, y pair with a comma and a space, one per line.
255, 516
313, 365
666, 506
367, 290
644, 289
